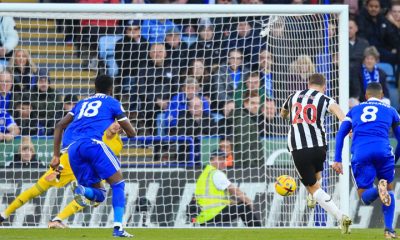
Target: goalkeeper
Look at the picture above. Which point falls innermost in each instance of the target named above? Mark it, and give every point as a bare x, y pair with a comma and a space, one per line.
60, 179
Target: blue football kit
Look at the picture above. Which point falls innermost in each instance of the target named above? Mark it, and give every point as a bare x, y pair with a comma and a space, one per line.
90, 158
372, 155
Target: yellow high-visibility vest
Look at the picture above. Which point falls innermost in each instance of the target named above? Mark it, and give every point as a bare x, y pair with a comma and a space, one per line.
208, 197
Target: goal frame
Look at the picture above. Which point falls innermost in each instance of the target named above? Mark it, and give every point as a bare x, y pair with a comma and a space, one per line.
171, 11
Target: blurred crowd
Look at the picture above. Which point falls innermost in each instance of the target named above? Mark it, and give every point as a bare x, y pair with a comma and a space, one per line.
208, 76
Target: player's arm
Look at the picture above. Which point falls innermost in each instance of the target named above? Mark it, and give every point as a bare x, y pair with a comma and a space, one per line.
344, 129
284, 113
285, 108
127, 127
58, 131
396, 132
335, 109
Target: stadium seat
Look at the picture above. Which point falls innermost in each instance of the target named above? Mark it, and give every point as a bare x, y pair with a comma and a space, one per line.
107, 53
391, 83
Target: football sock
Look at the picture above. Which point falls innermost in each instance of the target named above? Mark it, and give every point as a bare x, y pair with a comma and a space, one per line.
69, 210
388, 213
118, 202
369, 195
325, 201
24, 197
94, 194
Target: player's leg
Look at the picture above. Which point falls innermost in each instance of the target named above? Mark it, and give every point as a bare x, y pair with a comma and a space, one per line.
117, 184
66, 176
89, 186
309, 165
72, 208
385, 173
311, 202
34, 191
108, 167
364, 175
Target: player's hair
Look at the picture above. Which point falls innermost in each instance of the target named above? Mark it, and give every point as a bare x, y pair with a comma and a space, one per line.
103, 84
317, 79
374, 89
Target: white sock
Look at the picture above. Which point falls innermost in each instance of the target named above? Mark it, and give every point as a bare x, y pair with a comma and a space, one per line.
117, 224
56, 219
3, 215
325, 201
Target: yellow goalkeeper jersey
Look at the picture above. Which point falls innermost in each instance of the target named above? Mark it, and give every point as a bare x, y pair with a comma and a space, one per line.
66, 174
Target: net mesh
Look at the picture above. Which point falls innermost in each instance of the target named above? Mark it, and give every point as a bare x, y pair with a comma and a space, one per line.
189, 85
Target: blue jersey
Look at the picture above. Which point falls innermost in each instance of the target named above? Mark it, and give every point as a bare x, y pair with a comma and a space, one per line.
92, 116
371, 123
6, 121
372, 155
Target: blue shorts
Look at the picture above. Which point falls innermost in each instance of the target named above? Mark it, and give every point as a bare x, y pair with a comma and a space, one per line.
368, 165
92, 161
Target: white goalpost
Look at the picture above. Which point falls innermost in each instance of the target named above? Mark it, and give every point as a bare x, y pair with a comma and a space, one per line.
237, 62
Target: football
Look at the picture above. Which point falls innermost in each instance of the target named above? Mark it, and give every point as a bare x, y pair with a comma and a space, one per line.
285, 185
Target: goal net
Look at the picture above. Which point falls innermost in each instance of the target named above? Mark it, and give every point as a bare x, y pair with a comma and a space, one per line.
192, 80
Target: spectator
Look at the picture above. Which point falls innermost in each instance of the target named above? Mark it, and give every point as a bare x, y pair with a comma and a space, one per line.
225, 145
371, 73
247, 40
69, 103
198, 71
8, 127
357, 47
353, 6
9, 92
158, 81
379, 32
252, 84
301, 69
46, 102
8, 39
265, 71
213, 193
393, 17
130, 52
245, 123
26, 156
154, 30
177, 51
207, 47
227, 80
194, 122
24, 69
179, 102
271, 123
91, 31
27, 119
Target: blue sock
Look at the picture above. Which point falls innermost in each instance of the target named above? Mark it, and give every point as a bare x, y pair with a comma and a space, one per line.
369, 195
118, 202
94, 194
388, 213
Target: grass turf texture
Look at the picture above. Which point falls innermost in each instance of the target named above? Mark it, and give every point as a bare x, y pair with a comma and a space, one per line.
192, 234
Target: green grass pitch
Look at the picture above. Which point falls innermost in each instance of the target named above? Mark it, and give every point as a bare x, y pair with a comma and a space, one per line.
192, 234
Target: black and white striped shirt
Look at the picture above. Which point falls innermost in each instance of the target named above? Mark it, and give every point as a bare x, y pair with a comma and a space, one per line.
307, 110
